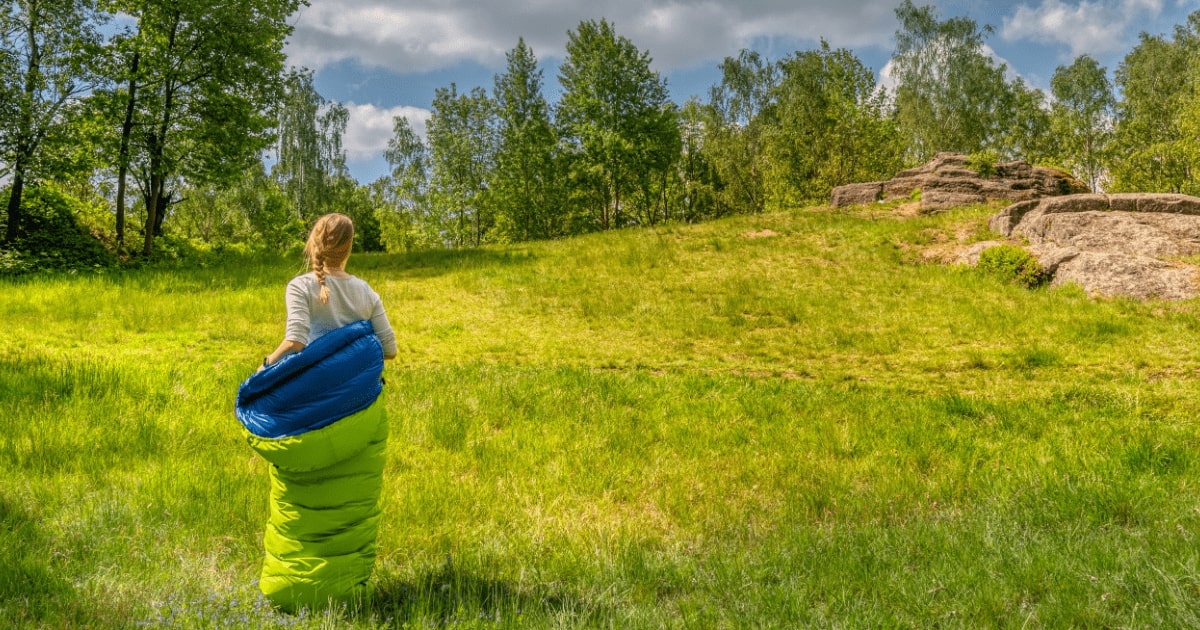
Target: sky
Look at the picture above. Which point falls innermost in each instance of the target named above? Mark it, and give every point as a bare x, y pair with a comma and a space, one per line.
385, 58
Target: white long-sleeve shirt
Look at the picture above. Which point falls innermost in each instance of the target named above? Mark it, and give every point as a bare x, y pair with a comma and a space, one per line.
351, 299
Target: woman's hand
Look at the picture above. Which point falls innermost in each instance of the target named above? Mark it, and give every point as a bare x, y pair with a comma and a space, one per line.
285, 348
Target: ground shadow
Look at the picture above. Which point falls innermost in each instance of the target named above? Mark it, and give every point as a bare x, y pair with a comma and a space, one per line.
452, 596
32, 592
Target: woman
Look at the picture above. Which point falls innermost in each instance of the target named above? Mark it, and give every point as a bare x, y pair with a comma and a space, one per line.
313, 308
314, 411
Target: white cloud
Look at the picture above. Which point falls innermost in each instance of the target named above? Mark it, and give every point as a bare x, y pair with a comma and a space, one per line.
425, 35
370, 128
1096, 27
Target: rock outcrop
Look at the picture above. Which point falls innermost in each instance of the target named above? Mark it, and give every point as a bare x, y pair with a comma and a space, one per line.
946, 182
1112, 245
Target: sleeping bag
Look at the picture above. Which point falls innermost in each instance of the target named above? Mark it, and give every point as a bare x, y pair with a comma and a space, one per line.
317, 417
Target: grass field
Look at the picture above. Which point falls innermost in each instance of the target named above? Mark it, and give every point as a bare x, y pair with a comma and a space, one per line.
785, 420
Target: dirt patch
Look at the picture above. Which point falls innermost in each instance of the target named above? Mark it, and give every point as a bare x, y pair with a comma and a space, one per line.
762, 234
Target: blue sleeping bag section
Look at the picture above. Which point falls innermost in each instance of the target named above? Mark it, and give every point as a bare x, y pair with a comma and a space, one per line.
336, 375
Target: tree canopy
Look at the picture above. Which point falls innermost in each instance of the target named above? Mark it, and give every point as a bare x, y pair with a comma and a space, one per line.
216, 140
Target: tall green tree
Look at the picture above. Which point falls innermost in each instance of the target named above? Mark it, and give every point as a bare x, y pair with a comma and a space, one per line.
698, 196
46, 47
126, 60
462, 146
526, 186
1083, 115
1152, 150
1190, 118
737, 124
203, 111
616, 122
832, 128
1027, 134
309, 152
950, 95
405, 216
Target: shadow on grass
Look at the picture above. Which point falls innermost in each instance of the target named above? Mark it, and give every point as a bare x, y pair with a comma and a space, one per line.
32, 593
453, 596
435, 262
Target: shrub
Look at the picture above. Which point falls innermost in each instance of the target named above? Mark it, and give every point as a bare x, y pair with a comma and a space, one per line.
983, 162
1013, 264
50, 236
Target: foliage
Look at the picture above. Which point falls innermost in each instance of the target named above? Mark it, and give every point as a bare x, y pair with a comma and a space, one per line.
49, 236
309, 146
983, 162
830, 127
1013, 263
618, 128
950, 95
462, 152
187, 112
526, 184
403, 210
1152, 152
733, 131
1026, 130
46, 48
1083, 115
203, 107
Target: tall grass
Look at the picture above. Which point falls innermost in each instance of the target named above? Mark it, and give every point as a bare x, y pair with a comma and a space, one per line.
686, 426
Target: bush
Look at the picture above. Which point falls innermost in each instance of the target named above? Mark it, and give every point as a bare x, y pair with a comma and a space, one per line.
50, 236
1013, 264
983, 162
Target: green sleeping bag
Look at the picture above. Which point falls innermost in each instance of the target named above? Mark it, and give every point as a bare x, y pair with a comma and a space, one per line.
325, 488
319, 420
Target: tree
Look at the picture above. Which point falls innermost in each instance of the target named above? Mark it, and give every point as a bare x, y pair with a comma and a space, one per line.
403, 210
1083, 114
616, 122
45, 47
461, 133
831, 126
1152, 150
526, 185
950, 95
736, 124
309, 152
697, 197
202, 108
1028, 132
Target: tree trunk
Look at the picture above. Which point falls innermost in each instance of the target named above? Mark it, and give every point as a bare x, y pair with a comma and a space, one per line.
123, 161
152, 203
158, 144
14, 204
26, 145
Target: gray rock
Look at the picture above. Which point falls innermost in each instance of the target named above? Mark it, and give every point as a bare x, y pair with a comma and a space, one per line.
1112, 245
946, 182
1143, 277
855, 194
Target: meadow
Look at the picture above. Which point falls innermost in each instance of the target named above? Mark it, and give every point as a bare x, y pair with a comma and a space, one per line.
785, 420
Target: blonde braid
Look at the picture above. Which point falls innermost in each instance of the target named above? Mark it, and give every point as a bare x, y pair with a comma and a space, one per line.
331, 239
319, 270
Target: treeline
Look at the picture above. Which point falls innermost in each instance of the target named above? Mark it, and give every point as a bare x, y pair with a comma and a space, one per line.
168, 109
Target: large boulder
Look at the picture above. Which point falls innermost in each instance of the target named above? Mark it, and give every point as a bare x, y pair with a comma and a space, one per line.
1113, 245
946, 182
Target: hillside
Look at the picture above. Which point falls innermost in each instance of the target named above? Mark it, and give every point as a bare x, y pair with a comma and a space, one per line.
780, 420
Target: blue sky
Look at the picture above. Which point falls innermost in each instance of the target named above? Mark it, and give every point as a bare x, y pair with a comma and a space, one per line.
383, 58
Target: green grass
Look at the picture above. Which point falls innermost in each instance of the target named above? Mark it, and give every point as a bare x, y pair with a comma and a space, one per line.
686, 426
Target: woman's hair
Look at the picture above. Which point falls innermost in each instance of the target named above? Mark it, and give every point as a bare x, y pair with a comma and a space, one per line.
329, 244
